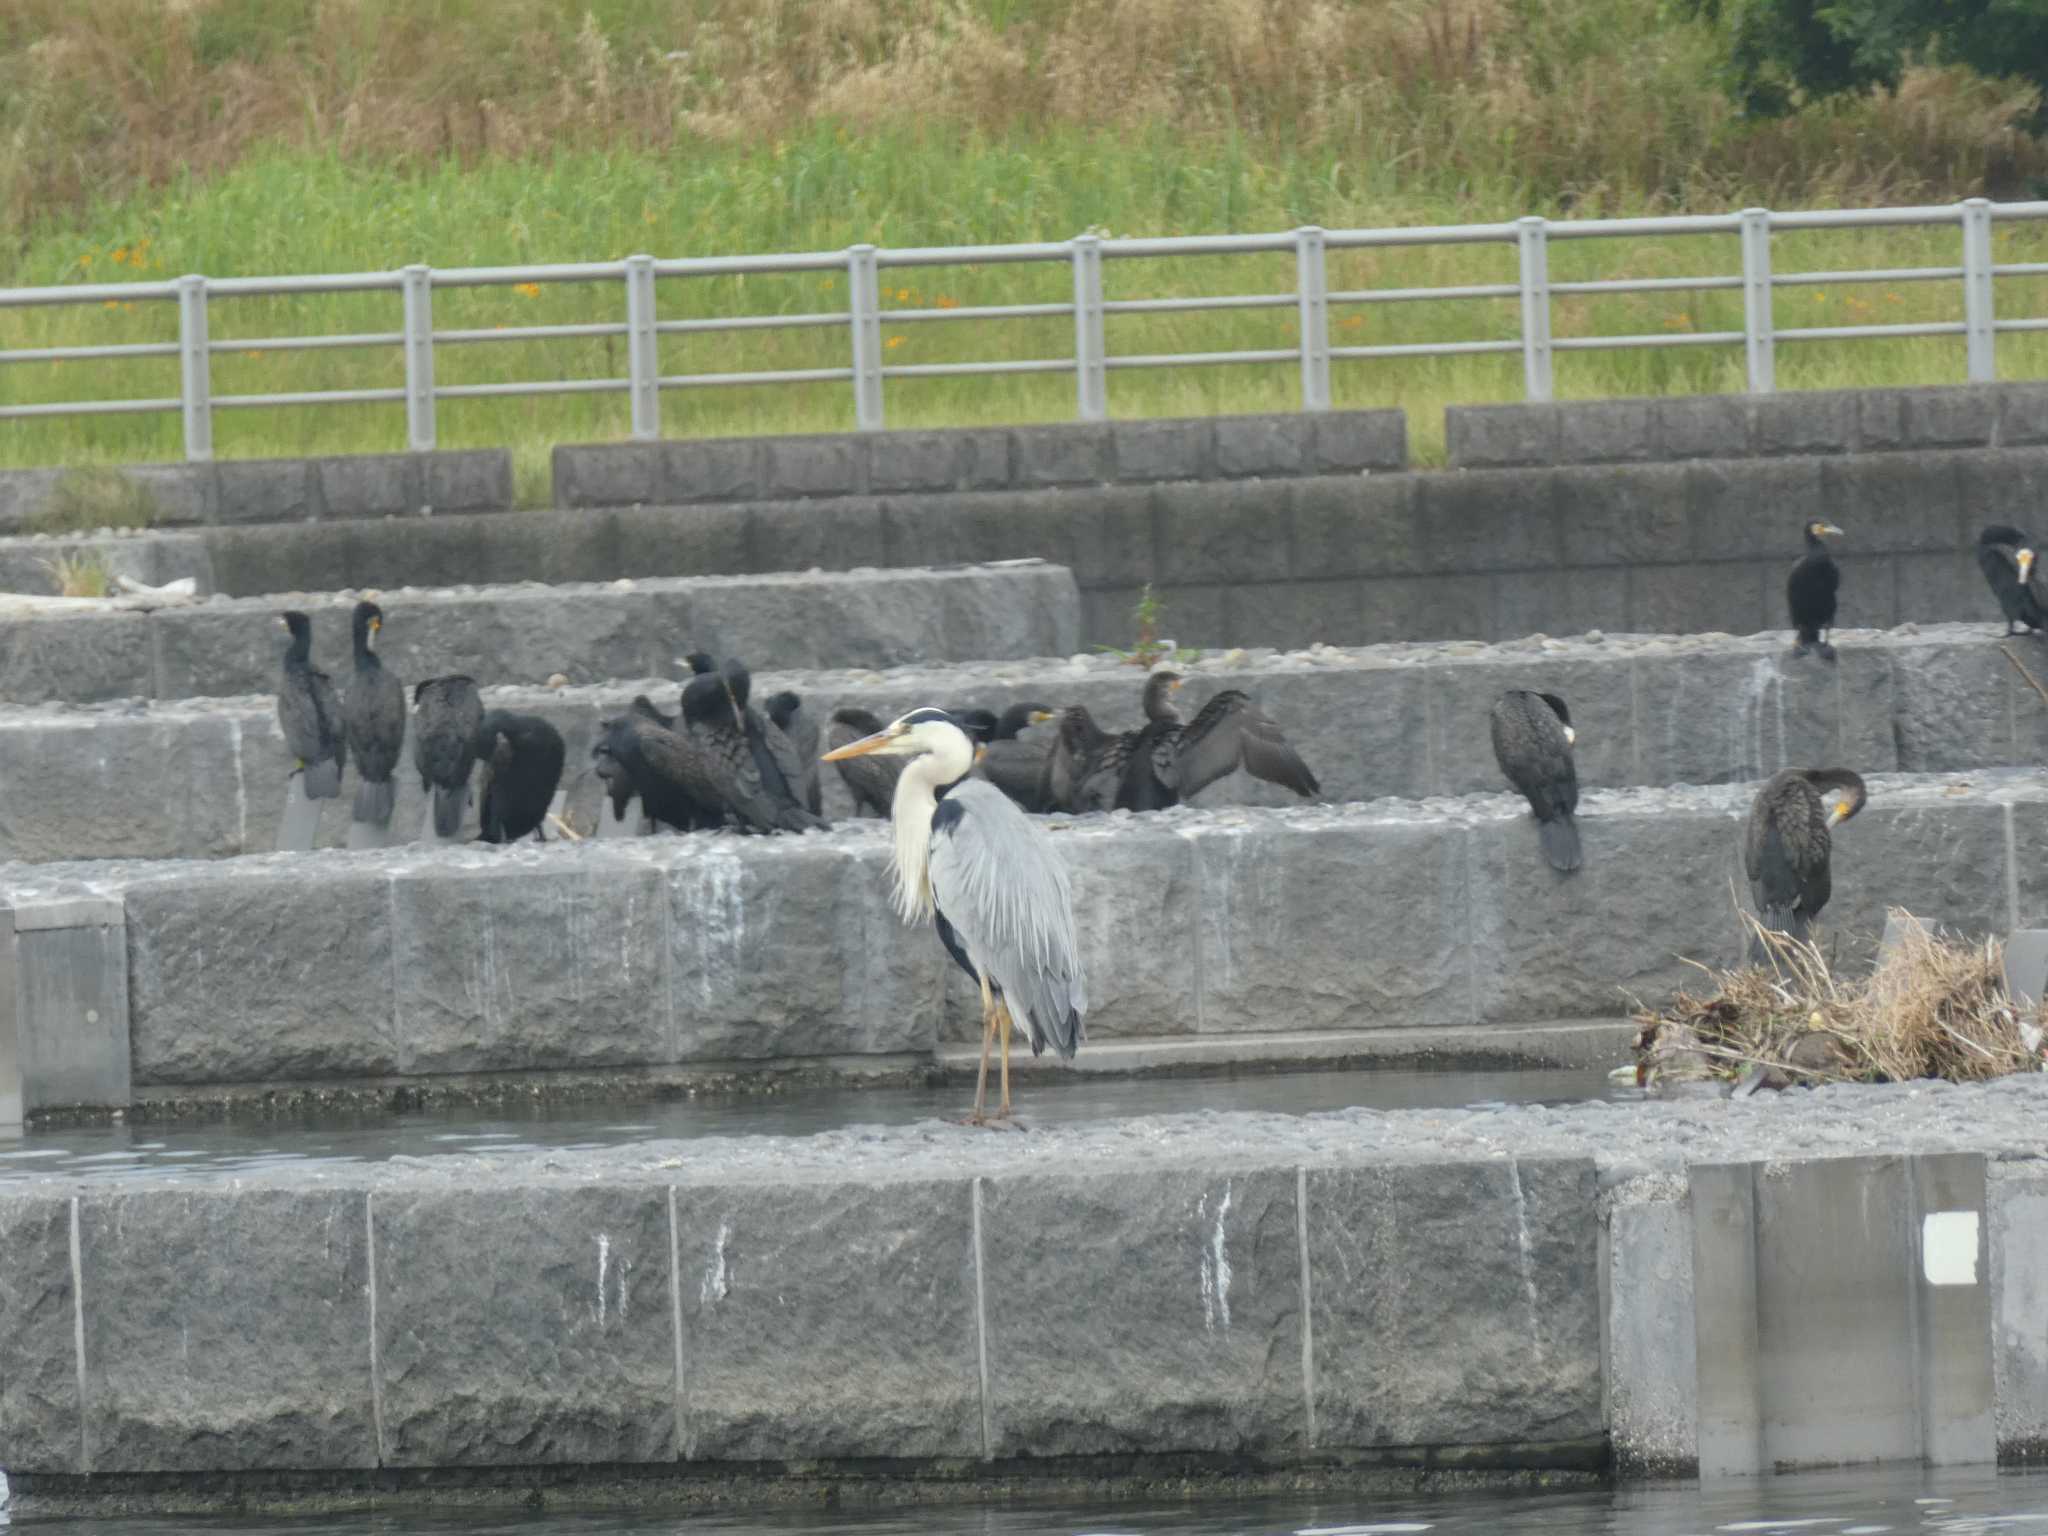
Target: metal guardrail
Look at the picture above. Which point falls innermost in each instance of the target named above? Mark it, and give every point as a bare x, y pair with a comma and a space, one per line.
1091, 362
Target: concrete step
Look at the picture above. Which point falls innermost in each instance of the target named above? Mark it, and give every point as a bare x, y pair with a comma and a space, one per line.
717, 949
527, 633
204, 779
1503, 1289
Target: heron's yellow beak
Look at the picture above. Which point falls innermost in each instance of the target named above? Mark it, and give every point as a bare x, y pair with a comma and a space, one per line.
863, 747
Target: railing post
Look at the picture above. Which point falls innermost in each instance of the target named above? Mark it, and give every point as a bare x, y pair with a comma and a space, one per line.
1759, 327
1977, 305
1311, 291
417, 288
1091, 351
643, 357
864, 296
1532, 238
195, 387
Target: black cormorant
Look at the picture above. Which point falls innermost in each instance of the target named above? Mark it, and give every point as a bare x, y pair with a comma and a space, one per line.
871, 780
1785, 853
640, 754
2006, 557
310, 713
1532, 742
374, 713
1085, 765
1168, 762
522, 757
447, 713
1810, 591
787, 714
1014, 766
756, 769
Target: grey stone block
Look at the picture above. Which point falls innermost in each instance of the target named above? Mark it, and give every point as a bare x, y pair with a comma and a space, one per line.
1364, 526
560, 968
788, 947
1805, 421
1263, 447
227, 1329
1294, 614
785, 1359
1164, 450
990, 525
914, 461
1424, 608
1114, 537
469, 480
816, 466
1278, 927
1689, 599
40, 1424
1607, 519
266, 490
1931, 588
1501, 436
982, 455
126, 787
1061, 455
1954, 709
2004, 485
1750, 510
1606, 432
22, 494
1139, 952
79, 657
1893, 501
700, 539
1881, 421
1487, 520
1522, 907
262, 976
611, 475
1357, 442
2016, 1211
371, 484
524, 1326
185, 494
69, 968
1208, 534
716, 469
1568, 601
1944, 864
1191, 1335
807, 535
2022, 414
1952, 417
1406, 1262
1652, 1363
1701, 427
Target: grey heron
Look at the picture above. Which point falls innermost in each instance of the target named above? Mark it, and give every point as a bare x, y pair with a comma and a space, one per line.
988, 877
2006, 557
310, 714
1785, 852
1532, 742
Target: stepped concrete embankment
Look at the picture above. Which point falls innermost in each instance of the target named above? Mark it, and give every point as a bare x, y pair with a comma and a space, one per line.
528, 633
1358, 1295
717, 952
206, 778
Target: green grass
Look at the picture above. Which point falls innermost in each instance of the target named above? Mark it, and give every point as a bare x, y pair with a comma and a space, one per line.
309, 212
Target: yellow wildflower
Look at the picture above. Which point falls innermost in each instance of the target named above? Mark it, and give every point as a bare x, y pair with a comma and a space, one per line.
531, 290
893, 343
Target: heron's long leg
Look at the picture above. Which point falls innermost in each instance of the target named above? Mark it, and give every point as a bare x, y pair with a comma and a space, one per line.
1003, 1024
988, 1035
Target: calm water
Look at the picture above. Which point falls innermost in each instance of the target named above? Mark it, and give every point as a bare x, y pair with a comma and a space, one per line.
1904, 1503
119, 1151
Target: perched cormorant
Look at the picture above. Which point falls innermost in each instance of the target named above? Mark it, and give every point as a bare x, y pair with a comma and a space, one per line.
992, 882
980, 725
374, 713
310, 714
522, 757
1085, 766
2006, 557
871, 780
1168, 762
757, 772
1017, 767
1810, 591
1532, 742
447, 713
1785, 853
787, 714
663, 763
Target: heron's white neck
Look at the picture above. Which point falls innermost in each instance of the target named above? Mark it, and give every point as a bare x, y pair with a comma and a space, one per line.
910, 815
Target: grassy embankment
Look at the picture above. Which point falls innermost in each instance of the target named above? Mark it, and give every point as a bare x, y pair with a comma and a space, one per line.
259, 136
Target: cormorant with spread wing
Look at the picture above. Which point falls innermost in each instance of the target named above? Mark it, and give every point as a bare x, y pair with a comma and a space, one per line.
1169, 762
757, 774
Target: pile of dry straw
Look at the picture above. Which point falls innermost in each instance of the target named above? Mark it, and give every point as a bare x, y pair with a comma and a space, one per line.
1932, 1007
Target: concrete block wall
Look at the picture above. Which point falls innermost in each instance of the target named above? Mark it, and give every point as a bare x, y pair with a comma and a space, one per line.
1670, 428
714, 950
528, 633
206, 779
230, 491
951, 460
152, 559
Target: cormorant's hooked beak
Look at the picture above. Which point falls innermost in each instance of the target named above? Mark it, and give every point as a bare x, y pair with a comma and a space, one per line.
980, 752
1839, 812
884, 741
1829, 529
1041, 716
2026, 563
376, 624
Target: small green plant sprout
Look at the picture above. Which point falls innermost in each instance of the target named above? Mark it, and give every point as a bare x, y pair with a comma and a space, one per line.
1149, 650
95, 497
82, 573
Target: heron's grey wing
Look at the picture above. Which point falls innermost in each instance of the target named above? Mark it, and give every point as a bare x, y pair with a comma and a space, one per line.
871, 780
1003, 886
1017, 768
1231, 732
